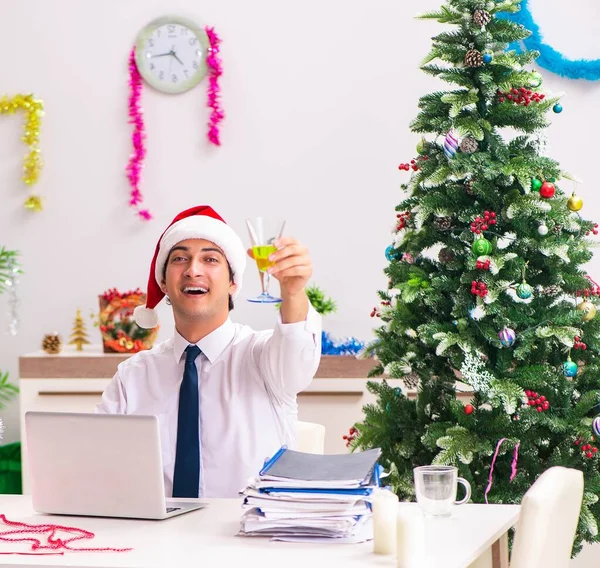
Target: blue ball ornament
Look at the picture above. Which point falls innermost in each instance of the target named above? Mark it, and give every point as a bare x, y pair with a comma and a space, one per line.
569, 368
391, 253
524, 291
397, 391
596, 426
507, 337
557, 108
487, 58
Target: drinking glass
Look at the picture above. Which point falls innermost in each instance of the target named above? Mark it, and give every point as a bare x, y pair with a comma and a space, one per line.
435, 487
263, 234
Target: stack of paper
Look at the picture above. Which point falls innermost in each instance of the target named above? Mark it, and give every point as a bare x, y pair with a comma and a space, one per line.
309, 497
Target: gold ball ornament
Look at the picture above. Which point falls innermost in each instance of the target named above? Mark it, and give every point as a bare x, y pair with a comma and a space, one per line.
574, 203
588, 309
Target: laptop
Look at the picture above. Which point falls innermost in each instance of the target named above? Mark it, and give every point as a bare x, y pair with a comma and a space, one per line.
104, 465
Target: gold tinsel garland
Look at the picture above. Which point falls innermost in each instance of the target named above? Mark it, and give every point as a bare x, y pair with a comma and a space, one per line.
34, 110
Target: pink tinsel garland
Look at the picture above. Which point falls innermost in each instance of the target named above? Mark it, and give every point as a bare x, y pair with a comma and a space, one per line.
136, 117
513, 465
20, 532
214, 63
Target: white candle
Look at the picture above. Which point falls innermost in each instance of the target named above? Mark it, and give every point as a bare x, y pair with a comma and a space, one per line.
410, 538
385, 510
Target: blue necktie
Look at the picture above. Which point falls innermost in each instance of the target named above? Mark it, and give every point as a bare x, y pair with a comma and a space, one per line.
187, 457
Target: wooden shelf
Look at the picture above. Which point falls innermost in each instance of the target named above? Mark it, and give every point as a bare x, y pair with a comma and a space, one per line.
93, 364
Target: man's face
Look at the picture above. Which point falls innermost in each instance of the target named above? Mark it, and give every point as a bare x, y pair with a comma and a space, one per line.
197, 280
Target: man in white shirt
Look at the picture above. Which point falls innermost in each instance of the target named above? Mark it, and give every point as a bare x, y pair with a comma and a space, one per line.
225, 395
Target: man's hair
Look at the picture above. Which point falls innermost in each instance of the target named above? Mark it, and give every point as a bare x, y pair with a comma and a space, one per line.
164, 277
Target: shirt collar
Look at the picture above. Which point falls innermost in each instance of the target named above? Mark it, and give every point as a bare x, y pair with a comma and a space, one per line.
212, 345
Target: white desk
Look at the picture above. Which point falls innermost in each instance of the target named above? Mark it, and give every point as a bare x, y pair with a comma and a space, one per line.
206, 539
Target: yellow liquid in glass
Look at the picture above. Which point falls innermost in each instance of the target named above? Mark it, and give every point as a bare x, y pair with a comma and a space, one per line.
261, 255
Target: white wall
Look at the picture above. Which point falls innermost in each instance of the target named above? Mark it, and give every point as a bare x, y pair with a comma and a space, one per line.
318, 97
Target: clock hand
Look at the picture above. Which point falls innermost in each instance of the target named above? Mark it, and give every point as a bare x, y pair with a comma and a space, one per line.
162, 54
175, 56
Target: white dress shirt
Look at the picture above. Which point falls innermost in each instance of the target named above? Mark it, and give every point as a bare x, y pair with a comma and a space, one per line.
247, 380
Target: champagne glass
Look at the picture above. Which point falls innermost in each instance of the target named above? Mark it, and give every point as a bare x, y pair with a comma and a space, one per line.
263, 234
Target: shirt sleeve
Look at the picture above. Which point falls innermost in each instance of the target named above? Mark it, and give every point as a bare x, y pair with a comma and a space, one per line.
113, 398
288, 359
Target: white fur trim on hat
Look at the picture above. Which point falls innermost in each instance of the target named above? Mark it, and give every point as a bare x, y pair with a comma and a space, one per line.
204, 227
145, 317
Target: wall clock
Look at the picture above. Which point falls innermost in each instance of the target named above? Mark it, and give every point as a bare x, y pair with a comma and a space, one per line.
170, 54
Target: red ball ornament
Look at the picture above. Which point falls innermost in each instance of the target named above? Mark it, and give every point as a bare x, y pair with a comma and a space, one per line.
547, 190
469, 409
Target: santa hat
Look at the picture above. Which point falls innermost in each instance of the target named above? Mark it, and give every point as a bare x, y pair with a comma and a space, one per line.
200, 222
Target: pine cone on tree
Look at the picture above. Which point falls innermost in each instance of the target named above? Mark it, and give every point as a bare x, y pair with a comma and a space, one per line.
52, 343
469, 186
411, 381
552, 290
473, 58
482, 18
469, 145
445, 255
443, 223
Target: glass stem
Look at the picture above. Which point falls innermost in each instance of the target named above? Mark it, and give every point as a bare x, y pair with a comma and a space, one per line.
262, 280
266, 283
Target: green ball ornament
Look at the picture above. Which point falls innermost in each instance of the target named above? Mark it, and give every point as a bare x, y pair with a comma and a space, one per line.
536, 184
524, 291
482, 247
569, 368
535, 79
421, 146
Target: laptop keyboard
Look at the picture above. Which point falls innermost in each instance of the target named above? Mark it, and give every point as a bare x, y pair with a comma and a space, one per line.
171, 509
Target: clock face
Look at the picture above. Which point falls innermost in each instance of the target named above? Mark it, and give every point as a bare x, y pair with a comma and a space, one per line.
170, 54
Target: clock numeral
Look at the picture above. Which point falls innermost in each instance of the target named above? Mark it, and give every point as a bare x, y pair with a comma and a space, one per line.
184, 30
186, 73
171, 27
192, 41
151, 65
151, 42
158, 32
161, 75
195, 65
174, 78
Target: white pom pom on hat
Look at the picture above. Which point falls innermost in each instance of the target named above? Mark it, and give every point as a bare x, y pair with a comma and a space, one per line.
201, 222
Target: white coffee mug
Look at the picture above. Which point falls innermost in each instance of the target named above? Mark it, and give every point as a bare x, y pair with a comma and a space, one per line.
435, 488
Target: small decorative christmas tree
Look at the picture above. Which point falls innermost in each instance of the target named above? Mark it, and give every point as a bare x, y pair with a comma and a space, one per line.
79, 333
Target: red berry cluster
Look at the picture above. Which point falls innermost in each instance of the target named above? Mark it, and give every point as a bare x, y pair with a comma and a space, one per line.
413, 164
593, 291
479, 288
481, 224
403, 219
375, 313
536, 400
482, 264
594, 230
521, 96
352, 433
579, 344
588, 450
113, 293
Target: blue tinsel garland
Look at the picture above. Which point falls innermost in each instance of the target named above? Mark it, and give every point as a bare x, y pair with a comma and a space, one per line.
550, 58
351, 346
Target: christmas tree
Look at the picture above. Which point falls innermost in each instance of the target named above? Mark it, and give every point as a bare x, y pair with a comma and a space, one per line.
9, 270
487, 292
79, 333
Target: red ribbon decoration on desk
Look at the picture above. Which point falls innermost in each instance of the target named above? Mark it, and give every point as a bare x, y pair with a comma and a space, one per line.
22, 532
